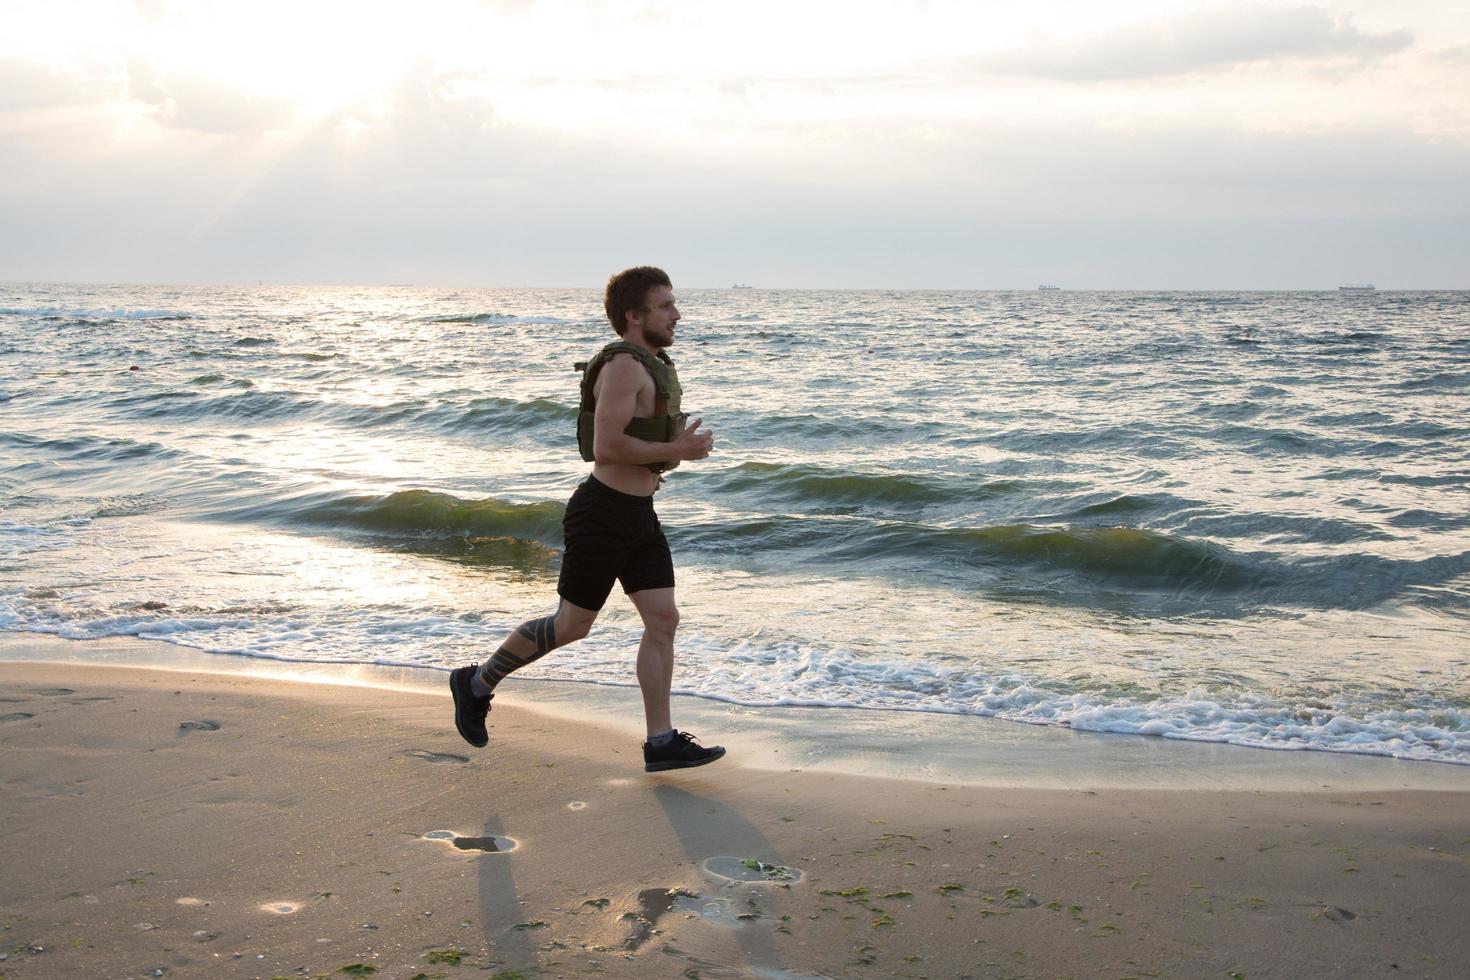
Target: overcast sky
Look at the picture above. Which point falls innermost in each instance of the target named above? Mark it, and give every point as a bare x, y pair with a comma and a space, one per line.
868, 143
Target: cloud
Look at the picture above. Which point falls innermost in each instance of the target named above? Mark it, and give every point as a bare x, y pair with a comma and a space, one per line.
1457, 56
1216, 39
204, 105
30, 85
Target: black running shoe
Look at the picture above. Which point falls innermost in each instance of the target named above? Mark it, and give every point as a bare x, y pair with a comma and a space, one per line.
469, 711
680, 752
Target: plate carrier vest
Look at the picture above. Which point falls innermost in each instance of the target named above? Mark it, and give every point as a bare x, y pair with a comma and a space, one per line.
666, 422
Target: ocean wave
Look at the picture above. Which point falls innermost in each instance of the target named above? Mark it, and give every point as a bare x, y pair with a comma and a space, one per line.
217, 378
1128, 503
426, 512
1111, 553
60, 313
1123, 557
492, 318
1086, 564
91, 448
221, 396
1451, 381
776, 481
502, 414
833, 427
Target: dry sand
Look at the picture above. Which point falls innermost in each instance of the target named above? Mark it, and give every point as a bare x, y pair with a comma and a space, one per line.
203, 825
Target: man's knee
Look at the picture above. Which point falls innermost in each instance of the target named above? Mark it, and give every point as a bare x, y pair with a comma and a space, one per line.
662, 619
573, 624
571, 631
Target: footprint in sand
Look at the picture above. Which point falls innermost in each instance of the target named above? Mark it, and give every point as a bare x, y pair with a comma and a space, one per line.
437, 757
199, 726
749, 871
17, 716
492, 845
655, 903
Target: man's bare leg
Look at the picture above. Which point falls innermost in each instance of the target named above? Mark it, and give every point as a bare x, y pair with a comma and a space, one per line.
665, 748
656, 655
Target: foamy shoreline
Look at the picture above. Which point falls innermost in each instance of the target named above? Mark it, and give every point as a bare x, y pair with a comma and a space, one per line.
884, 744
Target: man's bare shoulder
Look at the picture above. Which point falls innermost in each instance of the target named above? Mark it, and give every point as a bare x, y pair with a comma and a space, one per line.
624, 368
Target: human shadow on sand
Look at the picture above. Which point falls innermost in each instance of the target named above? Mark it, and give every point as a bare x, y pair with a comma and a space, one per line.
510, 938
707, 829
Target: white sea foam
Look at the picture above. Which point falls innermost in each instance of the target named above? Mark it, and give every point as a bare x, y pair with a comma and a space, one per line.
95, 314
797, 675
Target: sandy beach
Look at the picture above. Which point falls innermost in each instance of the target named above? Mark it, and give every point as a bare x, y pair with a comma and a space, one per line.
168, 823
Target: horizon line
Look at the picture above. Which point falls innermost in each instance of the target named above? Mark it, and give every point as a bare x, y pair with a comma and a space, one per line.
743, 287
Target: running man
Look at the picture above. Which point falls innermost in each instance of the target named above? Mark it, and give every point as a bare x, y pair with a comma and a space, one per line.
630, 428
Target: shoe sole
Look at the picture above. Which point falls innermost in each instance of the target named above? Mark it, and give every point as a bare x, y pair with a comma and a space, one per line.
456, 685
666, 766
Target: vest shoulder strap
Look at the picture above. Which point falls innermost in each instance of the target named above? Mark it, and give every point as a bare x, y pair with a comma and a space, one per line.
657, 365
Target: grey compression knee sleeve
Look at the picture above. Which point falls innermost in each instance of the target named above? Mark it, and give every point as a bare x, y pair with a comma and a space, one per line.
541, 632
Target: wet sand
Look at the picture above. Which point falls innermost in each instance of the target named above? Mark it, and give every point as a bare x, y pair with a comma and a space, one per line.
214, 825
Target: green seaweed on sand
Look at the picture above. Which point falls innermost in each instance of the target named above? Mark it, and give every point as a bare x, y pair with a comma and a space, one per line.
771, 872
450, 956
945, 889
357, 970
892, 839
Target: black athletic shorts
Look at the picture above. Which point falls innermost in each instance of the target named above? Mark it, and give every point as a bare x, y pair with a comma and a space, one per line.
611, 536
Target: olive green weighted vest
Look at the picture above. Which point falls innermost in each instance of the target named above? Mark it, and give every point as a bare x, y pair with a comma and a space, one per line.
666, 422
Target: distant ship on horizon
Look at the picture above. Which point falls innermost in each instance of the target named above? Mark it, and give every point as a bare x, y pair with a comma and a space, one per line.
1358, 287
742, 285
1047, 287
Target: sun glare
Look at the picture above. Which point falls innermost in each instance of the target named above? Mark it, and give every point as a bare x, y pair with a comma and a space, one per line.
308, 59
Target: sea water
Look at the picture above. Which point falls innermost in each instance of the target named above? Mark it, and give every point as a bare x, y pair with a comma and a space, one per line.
1235, 517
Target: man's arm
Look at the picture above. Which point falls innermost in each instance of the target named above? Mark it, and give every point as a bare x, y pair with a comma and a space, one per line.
620, 380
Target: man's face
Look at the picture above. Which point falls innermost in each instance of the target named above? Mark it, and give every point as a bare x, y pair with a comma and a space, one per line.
658, 317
